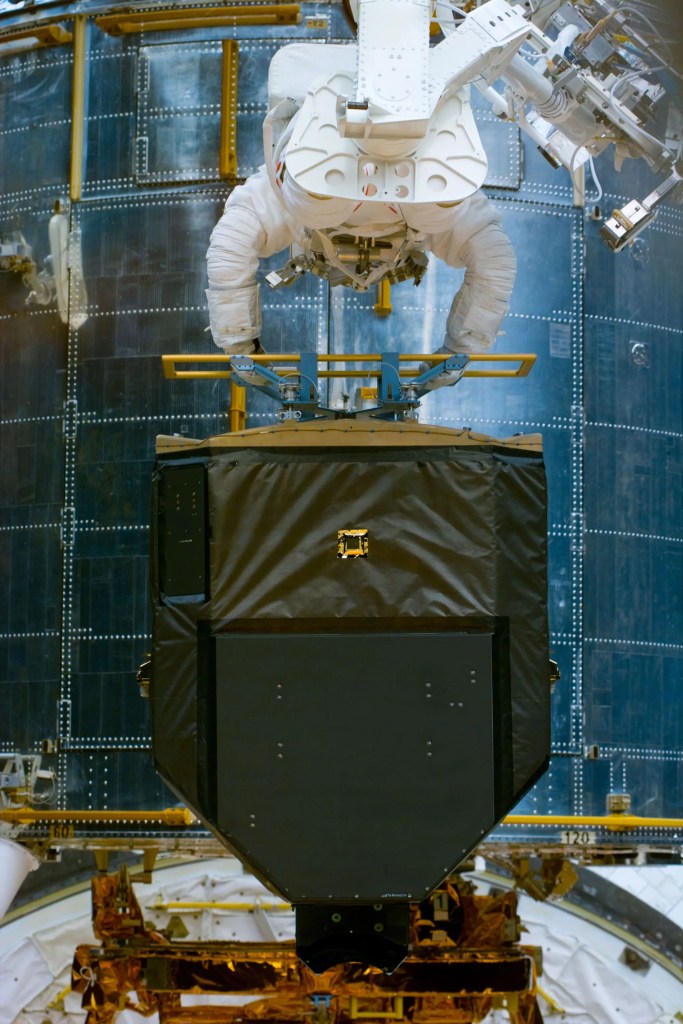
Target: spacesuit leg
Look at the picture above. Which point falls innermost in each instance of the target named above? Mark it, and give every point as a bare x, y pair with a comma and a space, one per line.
254, 225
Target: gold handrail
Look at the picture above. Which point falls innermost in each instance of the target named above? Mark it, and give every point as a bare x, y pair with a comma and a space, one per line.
43, 35
170, 364
613, 822
269, 906
172, 816
227, 162
77, 109
180, 18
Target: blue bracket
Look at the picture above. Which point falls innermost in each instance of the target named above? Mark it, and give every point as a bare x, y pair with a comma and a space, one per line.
457, 362
245, 372
298, 390
389, 387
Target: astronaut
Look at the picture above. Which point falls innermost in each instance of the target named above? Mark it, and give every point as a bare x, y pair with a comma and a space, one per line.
373, 159
258, 223
350, 239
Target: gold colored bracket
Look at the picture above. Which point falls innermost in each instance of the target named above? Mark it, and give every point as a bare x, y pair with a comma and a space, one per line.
172, 362
181, 18
352, 544
396, 1012
383, 305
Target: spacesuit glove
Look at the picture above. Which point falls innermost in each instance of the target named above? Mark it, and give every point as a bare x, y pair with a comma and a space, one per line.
442, 380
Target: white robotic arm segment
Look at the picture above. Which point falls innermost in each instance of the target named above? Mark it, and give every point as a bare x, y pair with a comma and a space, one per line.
482, 46
254, 225
392, 84
476, 241
409, 135
590, 85
447, 165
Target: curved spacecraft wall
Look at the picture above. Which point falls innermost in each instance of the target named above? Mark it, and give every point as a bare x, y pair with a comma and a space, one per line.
83, 397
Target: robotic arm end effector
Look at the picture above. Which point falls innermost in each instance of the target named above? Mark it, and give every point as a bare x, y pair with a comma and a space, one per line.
625, 224
589, 76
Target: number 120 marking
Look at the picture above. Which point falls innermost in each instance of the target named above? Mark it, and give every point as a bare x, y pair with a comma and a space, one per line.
574, 837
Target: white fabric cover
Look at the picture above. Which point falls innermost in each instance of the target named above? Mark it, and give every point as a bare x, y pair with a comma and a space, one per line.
589, 988
295, 67
53, 943
19, 987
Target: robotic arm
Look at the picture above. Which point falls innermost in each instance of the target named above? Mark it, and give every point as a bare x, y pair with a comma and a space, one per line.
577, 75
594, 82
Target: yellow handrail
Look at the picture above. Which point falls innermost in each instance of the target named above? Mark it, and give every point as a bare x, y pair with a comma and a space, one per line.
40, 35
613, 822
170, 363
181, 18
77, 109
172, 816
227, 159
383, 305
249, 906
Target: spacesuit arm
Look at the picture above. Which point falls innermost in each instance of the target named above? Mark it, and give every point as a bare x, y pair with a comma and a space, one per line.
254, 225
476, 241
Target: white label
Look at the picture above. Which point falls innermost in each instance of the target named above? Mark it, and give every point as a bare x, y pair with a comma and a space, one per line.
577, 837
560, 339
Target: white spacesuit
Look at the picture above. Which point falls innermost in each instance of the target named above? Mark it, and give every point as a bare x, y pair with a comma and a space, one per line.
258, 223
348, 240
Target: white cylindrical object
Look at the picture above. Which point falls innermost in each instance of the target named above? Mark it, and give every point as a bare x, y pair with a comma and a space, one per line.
15, 863
529, 81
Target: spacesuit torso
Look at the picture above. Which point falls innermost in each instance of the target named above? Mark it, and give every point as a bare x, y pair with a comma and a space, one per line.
349, 242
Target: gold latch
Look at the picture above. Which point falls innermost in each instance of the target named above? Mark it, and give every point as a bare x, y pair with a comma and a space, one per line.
352, 544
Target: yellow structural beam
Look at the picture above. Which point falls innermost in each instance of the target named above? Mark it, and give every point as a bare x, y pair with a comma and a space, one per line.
383, 305
33, 36
77, 108
235, 905
227, 163
182, 18
612, 822
238, 407
170, 363
181, 816
172, 816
